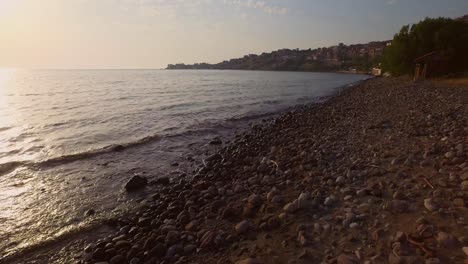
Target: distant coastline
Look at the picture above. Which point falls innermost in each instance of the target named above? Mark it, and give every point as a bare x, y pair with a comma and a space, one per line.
357, 58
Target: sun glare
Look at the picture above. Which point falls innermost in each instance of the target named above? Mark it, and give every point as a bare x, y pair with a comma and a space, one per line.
5, 76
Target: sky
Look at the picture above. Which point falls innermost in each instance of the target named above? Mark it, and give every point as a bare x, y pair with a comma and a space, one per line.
128, 34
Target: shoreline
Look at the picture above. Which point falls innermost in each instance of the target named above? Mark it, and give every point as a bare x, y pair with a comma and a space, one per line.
309, 177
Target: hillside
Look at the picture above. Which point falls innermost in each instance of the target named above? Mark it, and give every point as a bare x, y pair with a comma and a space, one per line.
357, 57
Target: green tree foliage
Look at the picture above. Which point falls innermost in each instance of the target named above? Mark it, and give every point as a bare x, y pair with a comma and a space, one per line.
446, 36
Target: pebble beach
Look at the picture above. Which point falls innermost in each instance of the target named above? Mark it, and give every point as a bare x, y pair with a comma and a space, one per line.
376, 174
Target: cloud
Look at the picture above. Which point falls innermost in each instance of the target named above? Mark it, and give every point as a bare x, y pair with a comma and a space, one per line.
260, 5
174, 8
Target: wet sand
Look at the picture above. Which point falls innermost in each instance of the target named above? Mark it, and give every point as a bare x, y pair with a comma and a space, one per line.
376, 174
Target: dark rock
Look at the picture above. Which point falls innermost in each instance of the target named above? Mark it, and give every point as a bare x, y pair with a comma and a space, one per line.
158, 251
216, 141
135, 261
163, 180
192, 226
173, 250
248, 261
135, 183
118, 259
90, 212
122, 244
243, 226
99, 254
347, 259
189, 249
118, 148
446, 240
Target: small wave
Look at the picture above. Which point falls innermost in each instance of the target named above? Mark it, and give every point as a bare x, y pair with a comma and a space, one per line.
11, 166
5, 128
251, 117
94, 152
169, 107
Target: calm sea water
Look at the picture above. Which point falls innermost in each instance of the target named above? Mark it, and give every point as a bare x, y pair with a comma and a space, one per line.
59, 129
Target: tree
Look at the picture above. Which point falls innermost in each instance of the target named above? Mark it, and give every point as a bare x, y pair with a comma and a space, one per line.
446, 36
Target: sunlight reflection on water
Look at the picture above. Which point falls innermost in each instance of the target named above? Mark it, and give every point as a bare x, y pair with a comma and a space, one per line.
57, 130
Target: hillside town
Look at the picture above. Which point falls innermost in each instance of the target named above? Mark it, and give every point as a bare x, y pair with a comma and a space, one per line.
352, 58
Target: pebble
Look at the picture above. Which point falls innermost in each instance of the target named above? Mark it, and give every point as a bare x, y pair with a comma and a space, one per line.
459, 202
90, 212
248, 261
464, 185
118, 259
430, 205
465, 249
291, 207
243, 226
329, 200
255, 200
347, 259
446, 240
192, 226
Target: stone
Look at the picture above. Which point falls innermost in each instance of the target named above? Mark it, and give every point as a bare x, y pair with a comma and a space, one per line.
449, 155
248, 261
398, 206
271, 194
354, 225
189, 249
459, 202
276, 199
464, 176
238, 188
340, 180
122, 244
273, 222
302, 200
99, 254
446, 240
173, 250
347, 259
302, 239
465, 249
291, 207
163, 180
118, 259
432, 261
135, 183
398, 195
243, 226
430, 205
90, 212
172, 237
255, 200
158, 251
464, 185
329, 201
192, 226
135, 261
361, 193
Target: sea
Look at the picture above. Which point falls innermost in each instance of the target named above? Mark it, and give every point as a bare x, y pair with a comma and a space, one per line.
70, 139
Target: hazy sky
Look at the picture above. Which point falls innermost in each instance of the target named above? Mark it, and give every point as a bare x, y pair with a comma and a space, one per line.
153, 33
